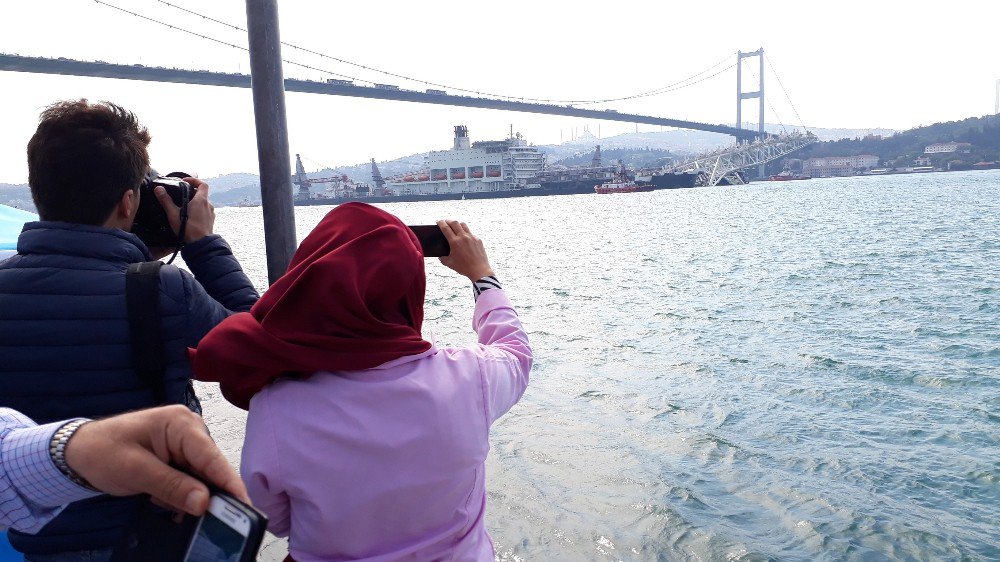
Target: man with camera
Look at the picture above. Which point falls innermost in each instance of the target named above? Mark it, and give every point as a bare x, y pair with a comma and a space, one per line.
85, 335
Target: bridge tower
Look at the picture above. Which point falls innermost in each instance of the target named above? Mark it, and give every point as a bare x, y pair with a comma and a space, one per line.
595, 162
741, 95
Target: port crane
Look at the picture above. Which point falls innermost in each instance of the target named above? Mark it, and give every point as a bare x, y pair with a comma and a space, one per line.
340, 183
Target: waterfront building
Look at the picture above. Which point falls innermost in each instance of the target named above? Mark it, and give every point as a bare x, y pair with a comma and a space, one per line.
839, 165
948, 148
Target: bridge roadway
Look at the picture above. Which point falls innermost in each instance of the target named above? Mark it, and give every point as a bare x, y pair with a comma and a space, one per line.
17, 63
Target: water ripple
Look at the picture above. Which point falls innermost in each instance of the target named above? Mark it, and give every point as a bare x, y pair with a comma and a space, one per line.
767, 372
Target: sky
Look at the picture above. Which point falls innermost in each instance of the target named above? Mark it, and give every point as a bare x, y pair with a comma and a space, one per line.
850, 64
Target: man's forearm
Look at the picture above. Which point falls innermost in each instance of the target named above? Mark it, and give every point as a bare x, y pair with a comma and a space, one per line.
32, 489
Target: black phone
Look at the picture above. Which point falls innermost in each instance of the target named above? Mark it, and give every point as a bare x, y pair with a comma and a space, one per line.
230, 531
432, 240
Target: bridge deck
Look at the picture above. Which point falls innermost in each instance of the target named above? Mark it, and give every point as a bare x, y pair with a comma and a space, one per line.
16, 63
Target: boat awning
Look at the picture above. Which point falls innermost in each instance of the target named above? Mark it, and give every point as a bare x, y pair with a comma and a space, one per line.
11, 222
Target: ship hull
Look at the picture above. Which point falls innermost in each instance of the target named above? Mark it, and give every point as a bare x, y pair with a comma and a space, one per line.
409, 198
567, 187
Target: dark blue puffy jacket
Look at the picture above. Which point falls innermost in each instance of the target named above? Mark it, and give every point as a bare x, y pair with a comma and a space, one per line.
64, 343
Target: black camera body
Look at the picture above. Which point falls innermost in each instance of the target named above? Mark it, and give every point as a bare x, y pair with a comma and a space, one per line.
151, 224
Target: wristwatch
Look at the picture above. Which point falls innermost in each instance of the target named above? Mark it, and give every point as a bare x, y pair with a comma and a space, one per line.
57, 450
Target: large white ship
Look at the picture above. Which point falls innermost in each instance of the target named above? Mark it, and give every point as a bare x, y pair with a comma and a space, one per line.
469, 170
473, 168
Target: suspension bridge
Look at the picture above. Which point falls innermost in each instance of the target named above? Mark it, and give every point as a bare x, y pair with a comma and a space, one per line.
334, 87
752, 147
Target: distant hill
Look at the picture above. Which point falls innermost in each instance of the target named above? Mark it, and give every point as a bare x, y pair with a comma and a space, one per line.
631, 157
636, 149
983, 133
228, 189
17, 196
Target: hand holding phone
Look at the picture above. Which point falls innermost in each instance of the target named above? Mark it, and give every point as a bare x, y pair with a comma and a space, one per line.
468, 255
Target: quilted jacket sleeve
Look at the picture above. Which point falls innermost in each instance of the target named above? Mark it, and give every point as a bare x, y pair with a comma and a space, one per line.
219, 286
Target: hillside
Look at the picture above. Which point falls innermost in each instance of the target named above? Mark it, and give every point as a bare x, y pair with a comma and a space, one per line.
903, 147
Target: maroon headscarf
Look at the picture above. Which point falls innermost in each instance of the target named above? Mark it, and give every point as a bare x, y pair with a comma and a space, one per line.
353, 298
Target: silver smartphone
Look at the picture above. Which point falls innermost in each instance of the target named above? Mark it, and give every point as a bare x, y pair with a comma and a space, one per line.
230, 531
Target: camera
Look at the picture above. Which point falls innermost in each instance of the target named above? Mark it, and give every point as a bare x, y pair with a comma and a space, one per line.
151, 224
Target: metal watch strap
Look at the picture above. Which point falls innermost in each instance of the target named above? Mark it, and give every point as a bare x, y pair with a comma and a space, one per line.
57, 450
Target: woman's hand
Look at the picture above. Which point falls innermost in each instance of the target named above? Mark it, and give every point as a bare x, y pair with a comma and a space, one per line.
467, 256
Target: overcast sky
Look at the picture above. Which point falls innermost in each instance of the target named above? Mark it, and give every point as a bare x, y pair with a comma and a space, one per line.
844, 64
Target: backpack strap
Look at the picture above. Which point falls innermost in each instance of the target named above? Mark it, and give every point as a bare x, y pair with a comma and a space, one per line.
142, 297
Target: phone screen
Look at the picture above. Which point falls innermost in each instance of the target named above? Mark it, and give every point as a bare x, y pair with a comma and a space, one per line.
219, 540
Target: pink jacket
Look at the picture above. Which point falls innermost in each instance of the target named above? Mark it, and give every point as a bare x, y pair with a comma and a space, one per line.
388, 463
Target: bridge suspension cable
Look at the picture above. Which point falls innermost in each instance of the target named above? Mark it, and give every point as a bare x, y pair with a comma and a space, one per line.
221, 42
789, 98
685, 83
769, 104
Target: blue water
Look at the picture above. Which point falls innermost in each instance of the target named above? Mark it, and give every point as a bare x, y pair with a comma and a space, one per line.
780, 371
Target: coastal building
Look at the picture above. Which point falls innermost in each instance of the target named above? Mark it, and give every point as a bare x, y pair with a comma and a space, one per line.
948, 148
922, 161
839, 165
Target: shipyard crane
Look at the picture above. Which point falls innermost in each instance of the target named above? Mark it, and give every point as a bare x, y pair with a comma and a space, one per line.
377, 177
339, 182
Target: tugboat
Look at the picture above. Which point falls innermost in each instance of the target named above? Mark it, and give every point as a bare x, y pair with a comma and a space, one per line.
787, 175
621, 183
619, 186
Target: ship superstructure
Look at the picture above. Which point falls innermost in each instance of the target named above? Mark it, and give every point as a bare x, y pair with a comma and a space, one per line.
470, 168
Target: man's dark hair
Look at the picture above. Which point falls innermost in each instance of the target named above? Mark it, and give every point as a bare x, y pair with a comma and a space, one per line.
82, 159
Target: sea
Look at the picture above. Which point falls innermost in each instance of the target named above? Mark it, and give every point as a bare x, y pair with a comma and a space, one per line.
799, 370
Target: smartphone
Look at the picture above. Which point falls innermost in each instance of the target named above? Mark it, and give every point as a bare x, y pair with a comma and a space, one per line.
432, 240
230, 531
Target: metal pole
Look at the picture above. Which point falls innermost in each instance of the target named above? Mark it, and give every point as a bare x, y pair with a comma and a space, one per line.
272, 135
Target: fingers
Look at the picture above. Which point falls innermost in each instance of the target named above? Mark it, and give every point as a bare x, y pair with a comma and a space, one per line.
166, 485
200, 186
201, 214
185, 442
446, 228
199, 453
178, 436
468, 255
172, 210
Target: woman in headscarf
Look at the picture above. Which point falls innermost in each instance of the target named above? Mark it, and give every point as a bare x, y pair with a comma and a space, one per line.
365, 441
